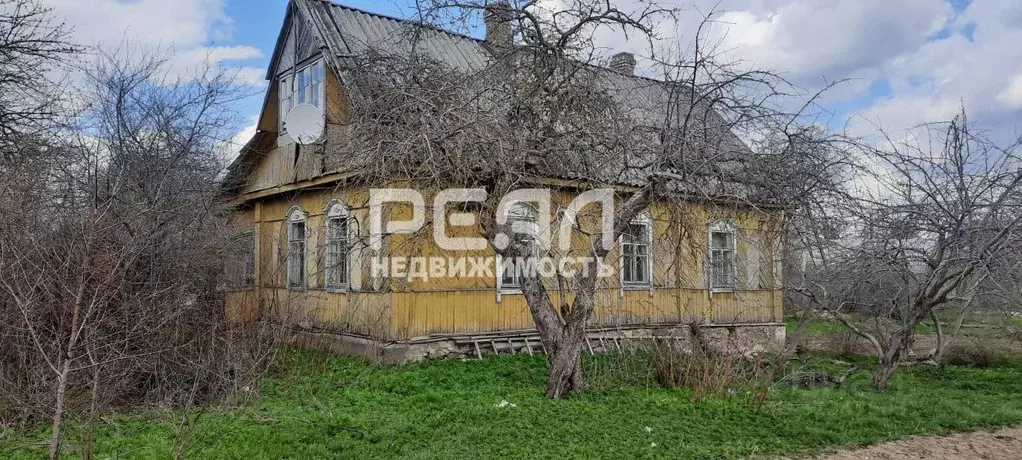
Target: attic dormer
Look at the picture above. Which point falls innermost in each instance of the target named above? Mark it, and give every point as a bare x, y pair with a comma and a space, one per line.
297, 71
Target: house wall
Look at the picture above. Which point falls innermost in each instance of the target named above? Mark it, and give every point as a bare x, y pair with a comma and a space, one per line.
362, 309
409, 307
678, 292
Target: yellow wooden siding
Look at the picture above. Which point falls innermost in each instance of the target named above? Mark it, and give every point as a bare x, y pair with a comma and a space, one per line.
242, 306
414, 306
418, 314
359, 313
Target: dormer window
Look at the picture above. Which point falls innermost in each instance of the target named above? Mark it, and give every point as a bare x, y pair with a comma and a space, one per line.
302, 86
309, 84
285, 99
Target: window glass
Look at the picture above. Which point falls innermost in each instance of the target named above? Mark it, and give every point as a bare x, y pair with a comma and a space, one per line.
284, 91
337, 252
635, 255
296, 254
722, 260
301, 86
512, 269
305, 86
241, 261
317, 84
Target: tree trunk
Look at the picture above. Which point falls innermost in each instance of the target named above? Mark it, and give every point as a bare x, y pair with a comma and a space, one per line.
562, 338
952, 335
899, 343
938, 350
58, 410
565, 368
563, 332
885, 370
65, 368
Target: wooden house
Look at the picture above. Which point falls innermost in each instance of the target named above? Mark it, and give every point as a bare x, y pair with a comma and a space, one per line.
304, 223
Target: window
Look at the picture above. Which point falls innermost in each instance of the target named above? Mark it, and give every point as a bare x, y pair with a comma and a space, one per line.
302, 82
248, 259
284, 93
722, 257
241, 262
296, 248
309, 85
635, 262
336, 246
305, 86
524, 220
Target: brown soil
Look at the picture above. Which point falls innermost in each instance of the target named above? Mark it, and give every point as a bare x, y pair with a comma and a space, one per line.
1005, 444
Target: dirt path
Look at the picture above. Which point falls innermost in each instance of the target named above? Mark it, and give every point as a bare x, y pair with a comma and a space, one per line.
1005, 444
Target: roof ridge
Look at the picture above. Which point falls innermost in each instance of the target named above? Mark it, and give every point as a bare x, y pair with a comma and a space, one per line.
481, 41
402, 20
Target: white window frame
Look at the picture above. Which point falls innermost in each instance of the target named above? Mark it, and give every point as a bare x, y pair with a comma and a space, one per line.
728, 228
295, 246
285, 99
308, 88
305, 84
522, 212
336, 210
646, 222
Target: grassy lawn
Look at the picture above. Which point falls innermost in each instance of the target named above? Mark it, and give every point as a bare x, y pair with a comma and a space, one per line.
815, 327
321, 406
818, 328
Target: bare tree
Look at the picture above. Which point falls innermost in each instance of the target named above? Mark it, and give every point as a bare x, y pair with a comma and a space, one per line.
923, 218
32, 46
113, 252
546, 106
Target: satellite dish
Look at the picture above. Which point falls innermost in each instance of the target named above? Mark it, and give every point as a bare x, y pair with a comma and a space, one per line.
304, 123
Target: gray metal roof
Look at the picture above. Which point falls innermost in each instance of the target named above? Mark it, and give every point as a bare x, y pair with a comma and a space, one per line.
345, 33
349, 32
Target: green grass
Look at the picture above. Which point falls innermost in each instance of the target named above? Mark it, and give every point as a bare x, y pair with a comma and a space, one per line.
335, 407
815, 327
818, 328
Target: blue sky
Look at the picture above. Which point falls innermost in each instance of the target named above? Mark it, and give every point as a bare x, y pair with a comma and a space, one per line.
257, 22
906, 61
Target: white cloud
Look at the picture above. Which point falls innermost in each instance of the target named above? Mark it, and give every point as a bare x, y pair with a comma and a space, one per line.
251, 76
229, 149
245, 134
908, 62
219, 53
929, 74
1012, 95
151, 22
188, 27
814, 38
194, 61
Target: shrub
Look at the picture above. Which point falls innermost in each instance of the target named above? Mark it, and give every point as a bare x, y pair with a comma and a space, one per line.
976, 354
845, 343
703, 369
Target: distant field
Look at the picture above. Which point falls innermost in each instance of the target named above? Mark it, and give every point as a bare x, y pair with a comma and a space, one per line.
977, 325
320, 406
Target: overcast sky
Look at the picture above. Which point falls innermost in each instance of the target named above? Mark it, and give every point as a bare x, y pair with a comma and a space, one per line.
909, 61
